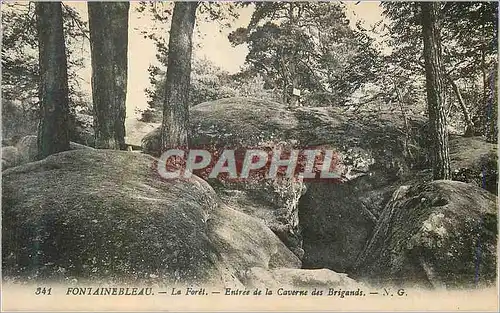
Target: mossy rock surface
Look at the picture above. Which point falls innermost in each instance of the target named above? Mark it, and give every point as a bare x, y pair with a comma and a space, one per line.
474, 161
106, 215
436, 234
366, 141
328, 224
26, 151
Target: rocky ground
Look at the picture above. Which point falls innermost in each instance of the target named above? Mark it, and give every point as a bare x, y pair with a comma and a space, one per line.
102, 214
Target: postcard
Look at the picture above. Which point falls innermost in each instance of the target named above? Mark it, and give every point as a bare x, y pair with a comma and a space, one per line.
249, 156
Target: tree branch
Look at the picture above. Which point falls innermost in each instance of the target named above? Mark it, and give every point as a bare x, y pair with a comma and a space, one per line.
76, 20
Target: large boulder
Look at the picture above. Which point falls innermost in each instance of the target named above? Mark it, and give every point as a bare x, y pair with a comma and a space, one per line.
27, 149
10, 157
361, 138
327, 224
357, 205
103, 214
136, 130
474, 161
435, 234
289, 278
366, 143
239, 123
274, 204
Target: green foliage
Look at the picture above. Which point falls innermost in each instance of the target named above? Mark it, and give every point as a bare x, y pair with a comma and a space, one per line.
208, 82
17, 121
310, 46
20, 50
20, 78
469, 43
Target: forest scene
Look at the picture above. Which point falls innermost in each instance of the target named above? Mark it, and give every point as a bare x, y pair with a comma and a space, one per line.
405, 93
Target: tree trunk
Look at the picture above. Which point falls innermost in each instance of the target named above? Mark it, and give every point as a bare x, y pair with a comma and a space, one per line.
469, 124
286, 85
434, 87
484, 73
108, 23
294, 78
53, 129
175, 125
409, 155
492, 108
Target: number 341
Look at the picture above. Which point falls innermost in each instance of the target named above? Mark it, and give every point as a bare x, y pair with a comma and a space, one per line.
43, 291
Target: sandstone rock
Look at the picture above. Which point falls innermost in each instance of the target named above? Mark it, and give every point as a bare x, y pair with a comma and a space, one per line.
474, 161
27, 148
244, 241
292, 279
328, 224
77, 146
436, 234
367, 144
362, 138
274, 203
136, 130
106, 215
10, 157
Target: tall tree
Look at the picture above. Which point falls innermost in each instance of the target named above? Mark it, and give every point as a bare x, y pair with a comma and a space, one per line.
308, 46
434, 88
108, 22
53, 130
469, 45
174, 128
20, 68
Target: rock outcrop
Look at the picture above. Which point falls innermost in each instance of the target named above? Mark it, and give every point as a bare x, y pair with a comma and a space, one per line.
474, 161
357, 205
26, 150
286, 278
10, 157
104, 215
436, 234
369, 144
107, 215
327, 224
